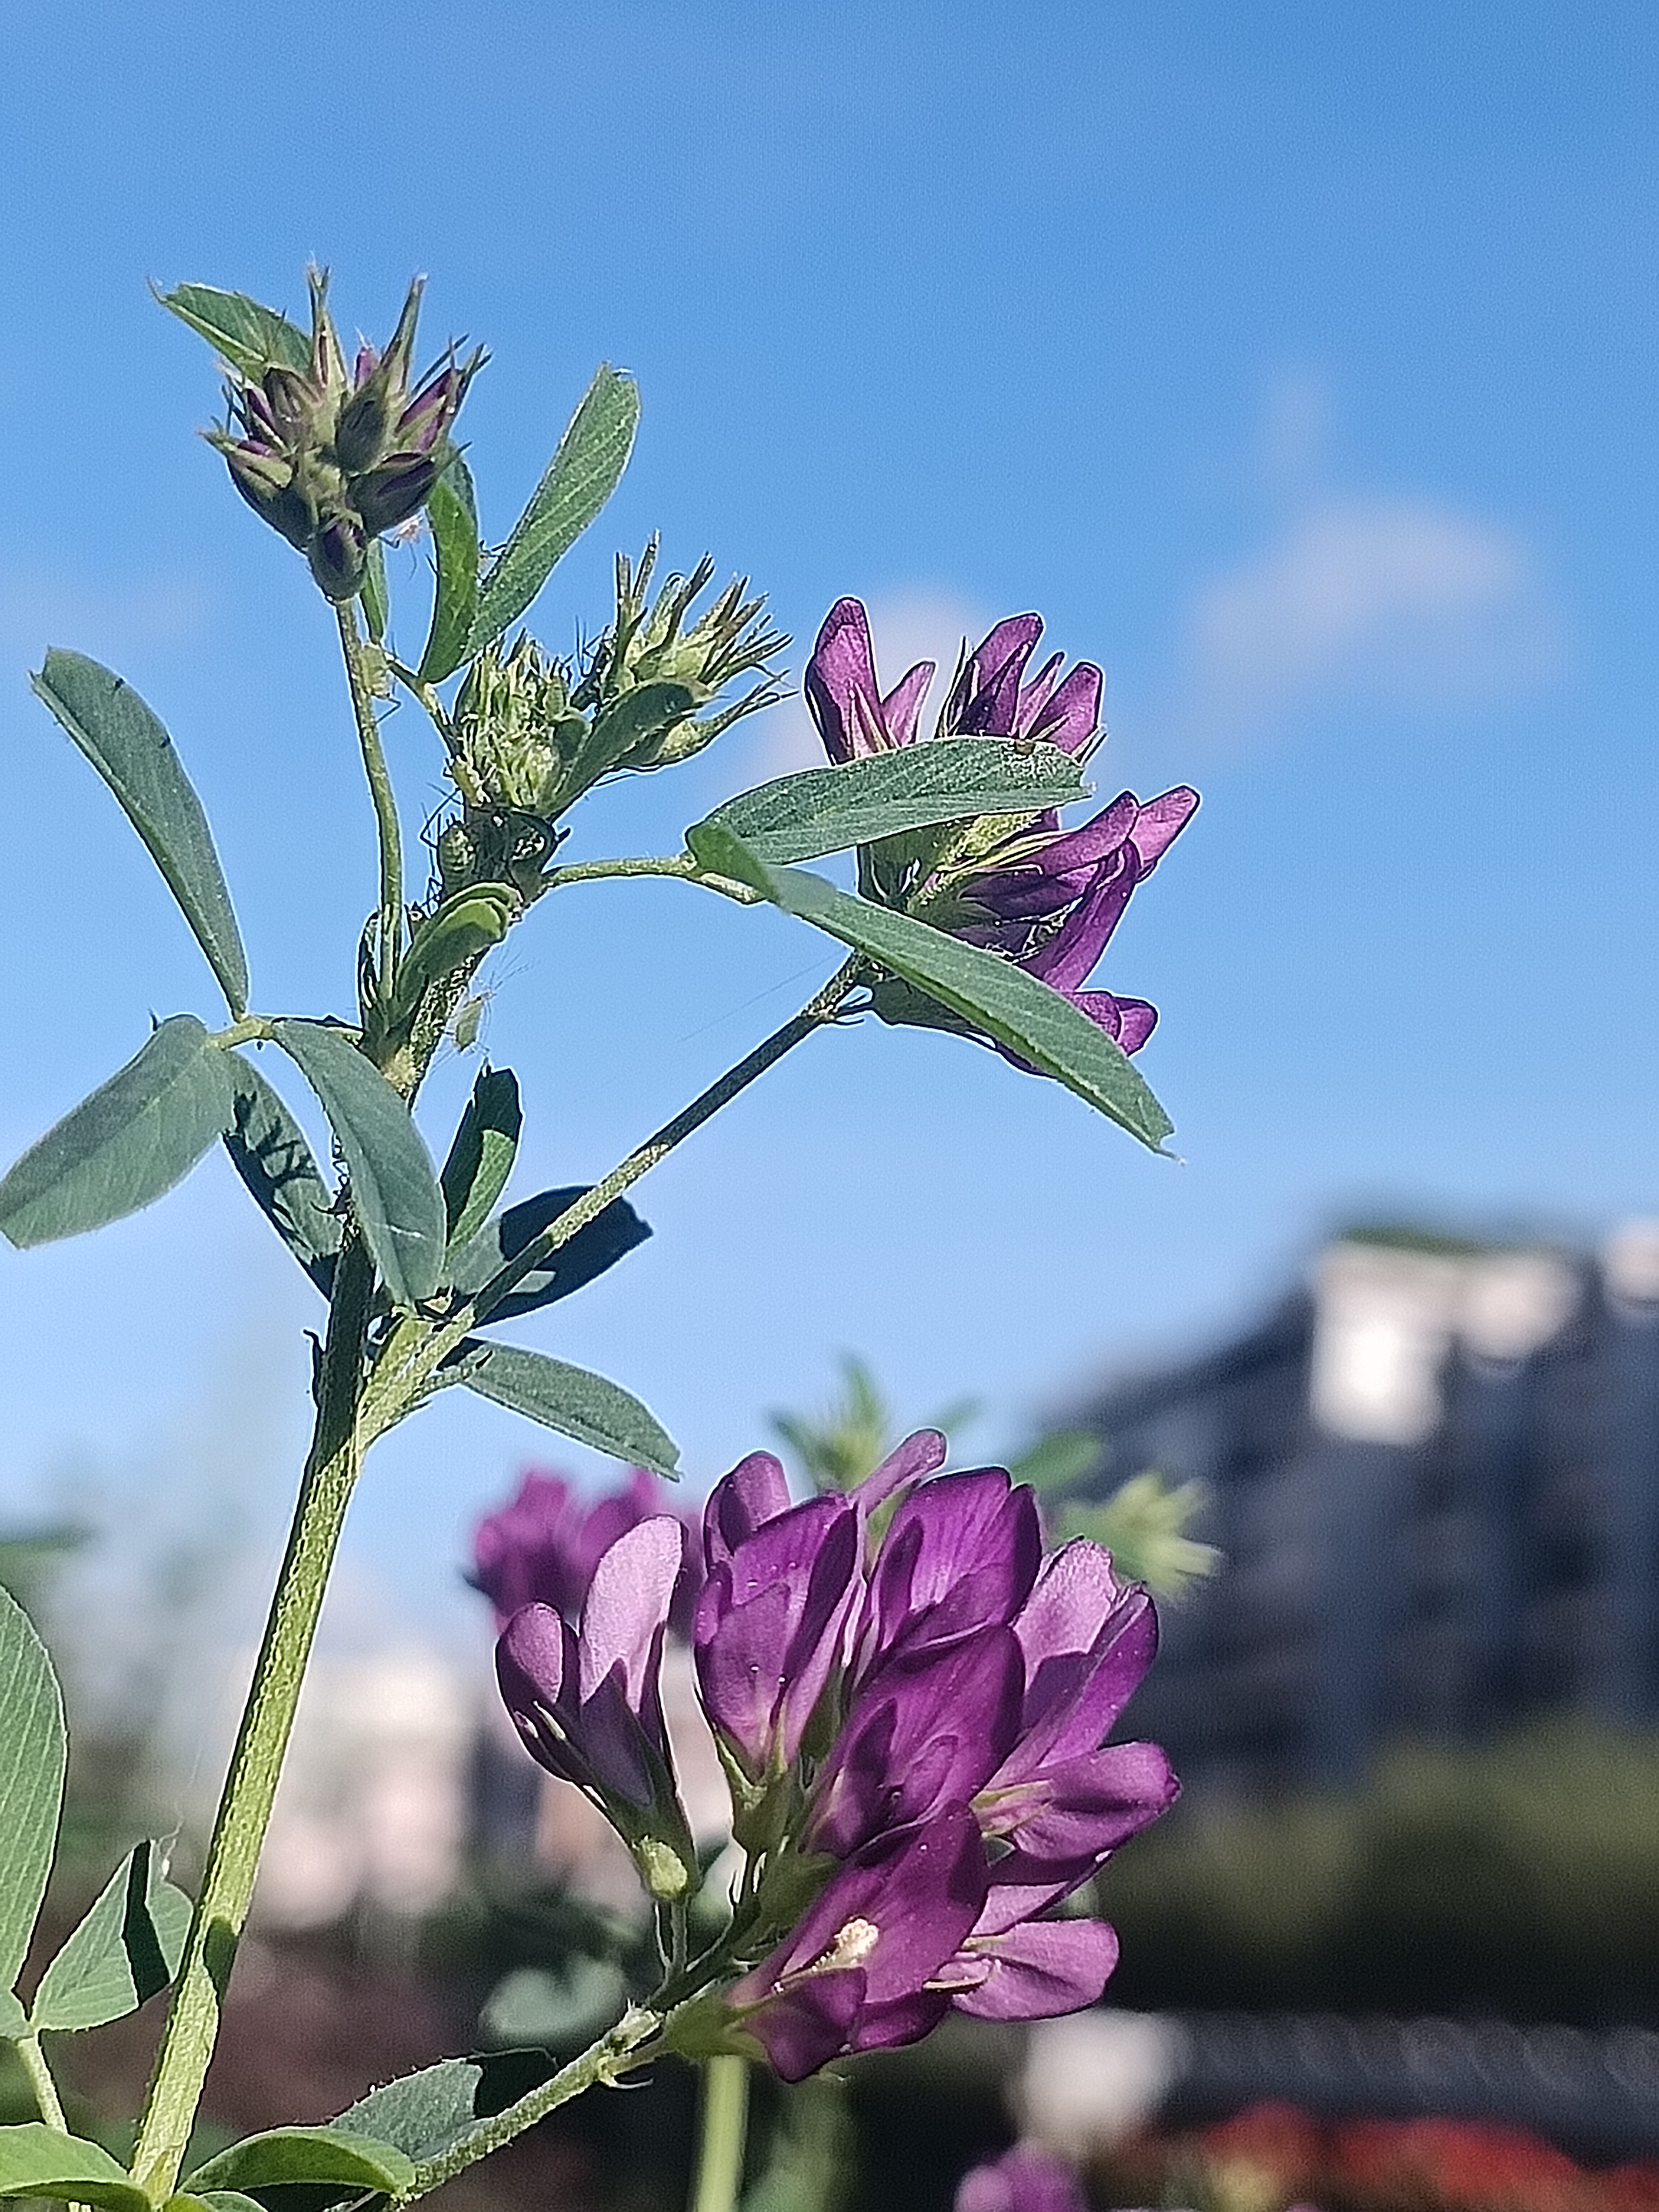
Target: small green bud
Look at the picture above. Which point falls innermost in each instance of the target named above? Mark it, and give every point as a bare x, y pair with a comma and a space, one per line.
663, 1871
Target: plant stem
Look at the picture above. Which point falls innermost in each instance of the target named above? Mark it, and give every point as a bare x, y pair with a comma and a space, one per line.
380, 790
725, 2126
613, 2055
679, 864
244, 1814
821, 1007
45, 2089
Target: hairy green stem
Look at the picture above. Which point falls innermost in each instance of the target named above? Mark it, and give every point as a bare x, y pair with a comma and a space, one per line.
821, 1008
380, 790
244, 1814
43, 2087
612, 2057
725, 2126
678, 865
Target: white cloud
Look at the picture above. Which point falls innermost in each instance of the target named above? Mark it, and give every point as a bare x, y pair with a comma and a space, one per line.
907, 627
1393, 603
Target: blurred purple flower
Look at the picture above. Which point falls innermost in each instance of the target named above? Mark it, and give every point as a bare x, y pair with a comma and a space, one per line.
1023, 2180
859, 1971
587, 1704
541, 1547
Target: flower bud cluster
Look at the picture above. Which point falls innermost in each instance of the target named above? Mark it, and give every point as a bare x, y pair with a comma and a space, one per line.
1046, 898
911, 1703
530, 732
333, 456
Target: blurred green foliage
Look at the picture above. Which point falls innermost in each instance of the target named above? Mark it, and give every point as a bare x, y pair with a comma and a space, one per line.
1518, 1878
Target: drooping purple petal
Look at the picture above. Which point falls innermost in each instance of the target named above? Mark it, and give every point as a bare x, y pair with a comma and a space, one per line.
1041, 1970
1161, 820
1065, 1821
854, 1975
1070, 718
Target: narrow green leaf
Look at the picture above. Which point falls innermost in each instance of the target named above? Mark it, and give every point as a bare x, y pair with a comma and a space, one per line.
609, 1236
282, 2156
31, 1781
581, 476
394, 1191
127, 745
568, 1399
377, 604
125, 1952
127, 1144
248, 336
481, 1158
268, 1150
989, 993
830, 809
36, 2160
453, 512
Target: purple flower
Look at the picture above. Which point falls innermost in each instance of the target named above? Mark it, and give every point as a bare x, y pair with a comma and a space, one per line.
859, 1972
928, 1731
1023, 2180
587, 1704
843, 695
960, 1556
770, 1625
1046, 897
542, 1547
1050, 899
990, 698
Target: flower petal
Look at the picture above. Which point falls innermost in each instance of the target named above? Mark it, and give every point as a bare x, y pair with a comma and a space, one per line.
1043, 1969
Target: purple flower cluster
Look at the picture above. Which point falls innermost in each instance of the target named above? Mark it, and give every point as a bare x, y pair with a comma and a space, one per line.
1046, 897
911, 1703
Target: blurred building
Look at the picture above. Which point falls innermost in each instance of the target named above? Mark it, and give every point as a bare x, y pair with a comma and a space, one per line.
1434, 1470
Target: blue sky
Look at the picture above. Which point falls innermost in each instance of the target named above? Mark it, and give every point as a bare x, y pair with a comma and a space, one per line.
1296, 361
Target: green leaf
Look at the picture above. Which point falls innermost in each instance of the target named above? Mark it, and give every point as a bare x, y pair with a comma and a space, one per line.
830, 810
133, 753
377, 605
36, 2160
453, 512
568, 1399
269, 1150
428, 2113
581, 476
215, 2200
394, 1191
555, 2009
125, 1145
240, 331
282, 2156
32, 1742
609, 1236
979, 987
481, 1158
643, 713
14, 2021
125, 1952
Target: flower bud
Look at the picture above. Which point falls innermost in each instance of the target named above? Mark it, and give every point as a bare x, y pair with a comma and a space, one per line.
332, 458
